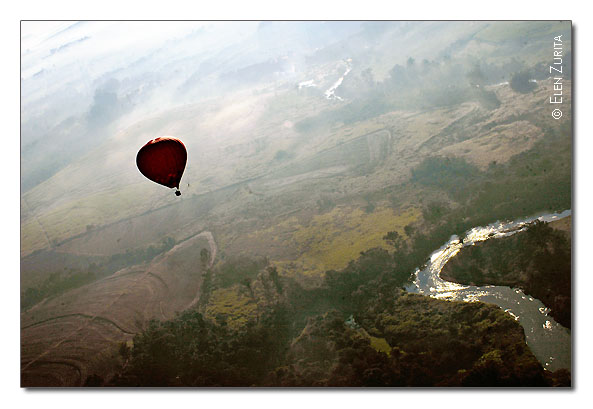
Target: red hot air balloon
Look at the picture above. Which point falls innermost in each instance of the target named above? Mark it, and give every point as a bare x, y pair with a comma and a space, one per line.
163, 160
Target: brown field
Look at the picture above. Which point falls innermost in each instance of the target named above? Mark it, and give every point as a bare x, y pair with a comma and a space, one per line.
69, 337
564, 225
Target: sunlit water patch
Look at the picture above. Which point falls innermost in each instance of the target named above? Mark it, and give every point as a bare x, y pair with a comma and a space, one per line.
331, 92
307, 84
549, 341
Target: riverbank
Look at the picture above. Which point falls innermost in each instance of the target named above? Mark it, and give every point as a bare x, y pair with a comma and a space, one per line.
537, 260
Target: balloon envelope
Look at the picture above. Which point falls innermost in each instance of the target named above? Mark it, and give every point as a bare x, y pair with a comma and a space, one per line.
163, 160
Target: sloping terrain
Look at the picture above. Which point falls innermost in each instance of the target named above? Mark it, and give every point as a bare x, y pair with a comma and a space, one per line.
274, 172
67, 338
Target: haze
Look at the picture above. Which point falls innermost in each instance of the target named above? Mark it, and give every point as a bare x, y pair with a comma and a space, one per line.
326, 160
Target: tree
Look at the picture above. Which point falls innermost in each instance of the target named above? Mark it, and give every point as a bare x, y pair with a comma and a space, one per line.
368, 78
394, 239
204, 257
475, 76
273, 273
520, 82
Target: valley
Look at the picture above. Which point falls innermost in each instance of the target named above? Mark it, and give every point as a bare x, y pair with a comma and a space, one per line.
286, 190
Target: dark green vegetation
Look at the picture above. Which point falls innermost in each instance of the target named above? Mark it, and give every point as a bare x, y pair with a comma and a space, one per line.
537, 260
56, 283
191, 351
305, 339
520, 82
450, 174
433, 343
238, 271
537, 180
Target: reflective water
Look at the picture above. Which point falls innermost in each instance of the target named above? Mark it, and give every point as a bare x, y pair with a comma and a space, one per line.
549, 341
331, 92
307, 84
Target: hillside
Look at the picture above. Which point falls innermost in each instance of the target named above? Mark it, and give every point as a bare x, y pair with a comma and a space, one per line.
68, 337
288, 192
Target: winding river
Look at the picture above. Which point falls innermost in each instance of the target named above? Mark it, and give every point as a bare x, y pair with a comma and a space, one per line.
331, 92
549, 341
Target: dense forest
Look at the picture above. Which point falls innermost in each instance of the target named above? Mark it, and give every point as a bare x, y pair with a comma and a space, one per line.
361, 330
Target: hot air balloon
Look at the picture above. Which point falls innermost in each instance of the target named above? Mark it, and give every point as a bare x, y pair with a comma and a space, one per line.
163, 160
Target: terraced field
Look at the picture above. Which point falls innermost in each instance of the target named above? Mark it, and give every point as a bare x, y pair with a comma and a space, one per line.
74, 335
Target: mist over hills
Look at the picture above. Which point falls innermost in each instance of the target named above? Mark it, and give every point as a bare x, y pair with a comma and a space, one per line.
74, 91
307, 143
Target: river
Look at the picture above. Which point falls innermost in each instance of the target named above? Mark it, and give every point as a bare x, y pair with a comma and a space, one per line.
330, 93
549, 341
